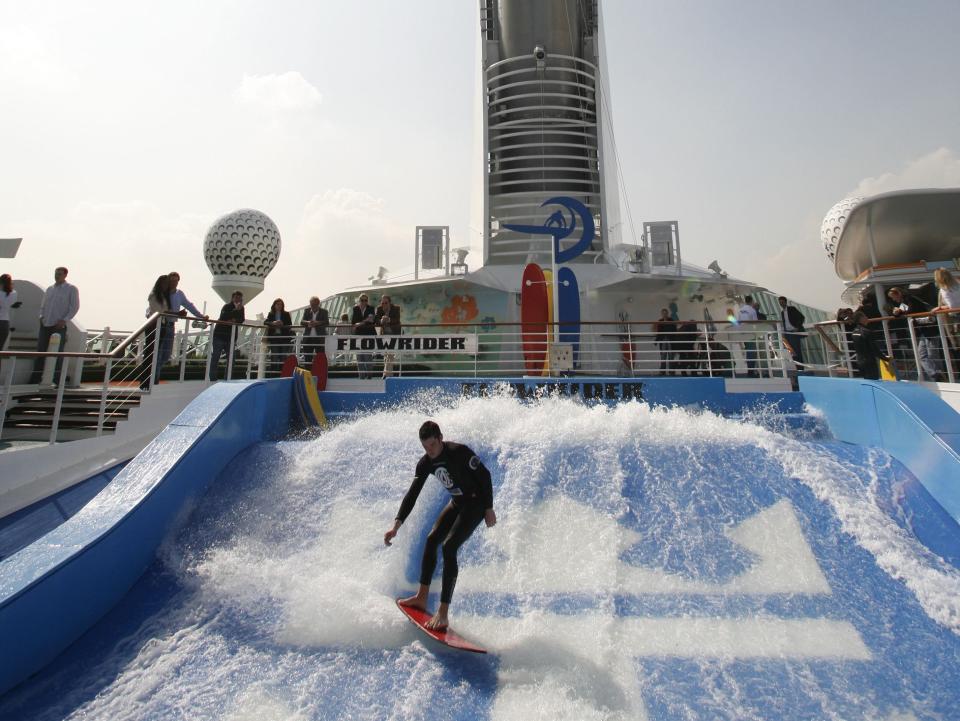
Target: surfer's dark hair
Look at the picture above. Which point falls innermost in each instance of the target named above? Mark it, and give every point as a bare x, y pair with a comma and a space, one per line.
429, 429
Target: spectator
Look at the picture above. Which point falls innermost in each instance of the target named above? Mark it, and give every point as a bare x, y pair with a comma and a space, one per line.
948, 297
756, 309
687, 335
865, 346
745, 314
179, 304
279, 335
387, 318
157, 302
665, 338
8, 300
363, 320
927, 332
716, 358
61, 301
232, 312
792, 320
315, 321
342, 328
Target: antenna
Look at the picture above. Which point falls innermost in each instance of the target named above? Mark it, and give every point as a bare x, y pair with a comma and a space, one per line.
459, 267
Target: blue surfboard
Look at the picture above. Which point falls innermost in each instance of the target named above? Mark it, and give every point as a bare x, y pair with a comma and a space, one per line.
568, 300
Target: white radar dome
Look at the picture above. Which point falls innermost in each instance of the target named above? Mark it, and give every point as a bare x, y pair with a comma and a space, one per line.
241, 249
833, 223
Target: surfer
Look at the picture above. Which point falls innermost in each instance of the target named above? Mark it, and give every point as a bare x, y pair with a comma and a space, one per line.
467, 480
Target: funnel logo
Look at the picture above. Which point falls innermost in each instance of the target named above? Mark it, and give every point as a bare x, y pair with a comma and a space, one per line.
562, 226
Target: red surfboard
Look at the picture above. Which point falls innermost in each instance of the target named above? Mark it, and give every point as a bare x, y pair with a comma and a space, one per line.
534, 317
288, 365
319, 370
447, 637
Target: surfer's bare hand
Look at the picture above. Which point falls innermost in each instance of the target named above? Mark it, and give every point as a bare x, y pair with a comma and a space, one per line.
389, 535
490, 518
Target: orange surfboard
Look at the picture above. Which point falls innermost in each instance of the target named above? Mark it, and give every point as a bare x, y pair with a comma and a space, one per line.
534, 318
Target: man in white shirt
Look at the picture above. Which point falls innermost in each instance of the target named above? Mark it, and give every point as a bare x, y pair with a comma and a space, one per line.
746, 313
179, 304
61, 301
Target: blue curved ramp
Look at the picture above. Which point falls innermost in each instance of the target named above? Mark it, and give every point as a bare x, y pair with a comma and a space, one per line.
648, 564
53, 590
905, 419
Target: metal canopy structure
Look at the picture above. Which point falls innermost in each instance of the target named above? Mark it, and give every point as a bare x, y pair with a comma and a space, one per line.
900, 227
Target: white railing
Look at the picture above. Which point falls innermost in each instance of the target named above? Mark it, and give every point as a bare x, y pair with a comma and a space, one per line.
615, 349
923, 346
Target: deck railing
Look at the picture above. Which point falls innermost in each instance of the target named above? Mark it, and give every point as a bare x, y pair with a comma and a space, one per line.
923, 346
613, 349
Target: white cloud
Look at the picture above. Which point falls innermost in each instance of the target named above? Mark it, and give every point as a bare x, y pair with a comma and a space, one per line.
799, 270
939, 169
287, 91
349, 224
343, 236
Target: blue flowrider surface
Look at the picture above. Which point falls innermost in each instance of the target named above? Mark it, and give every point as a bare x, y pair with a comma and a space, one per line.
647, 564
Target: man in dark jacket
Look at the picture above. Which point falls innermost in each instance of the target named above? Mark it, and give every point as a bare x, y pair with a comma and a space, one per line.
232, 312
687, 335
902, 305
315, 322
792, 320
666, 337
468, 481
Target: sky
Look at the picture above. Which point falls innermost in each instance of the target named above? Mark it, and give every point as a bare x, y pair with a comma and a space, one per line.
127, 128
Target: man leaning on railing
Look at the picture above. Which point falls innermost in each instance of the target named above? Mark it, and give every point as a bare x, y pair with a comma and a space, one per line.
232, 312
792, 320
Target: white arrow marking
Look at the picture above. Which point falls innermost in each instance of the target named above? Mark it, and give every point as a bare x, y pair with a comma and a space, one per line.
545, 556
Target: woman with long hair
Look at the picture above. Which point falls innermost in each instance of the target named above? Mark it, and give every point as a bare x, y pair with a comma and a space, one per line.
8, 300
949, 297
157, 302
279, 335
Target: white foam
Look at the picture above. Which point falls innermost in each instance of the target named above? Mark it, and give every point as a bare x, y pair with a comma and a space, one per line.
314, 570
934, 582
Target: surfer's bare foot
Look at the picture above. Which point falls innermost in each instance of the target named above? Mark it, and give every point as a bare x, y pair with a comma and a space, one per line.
413, 602
418, 600
439, 622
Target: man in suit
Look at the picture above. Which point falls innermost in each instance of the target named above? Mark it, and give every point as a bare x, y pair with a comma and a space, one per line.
666, 338
224, 336
315, 322
792, 320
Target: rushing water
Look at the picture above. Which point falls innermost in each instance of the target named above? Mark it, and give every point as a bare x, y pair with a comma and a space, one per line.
648, 564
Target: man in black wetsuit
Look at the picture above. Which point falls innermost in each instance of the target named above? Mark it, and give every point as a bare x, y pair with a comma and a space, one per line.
463, 474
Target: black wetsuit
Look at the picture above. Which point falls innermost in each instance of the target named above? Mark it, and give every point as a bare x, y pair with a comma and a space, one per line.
463, 474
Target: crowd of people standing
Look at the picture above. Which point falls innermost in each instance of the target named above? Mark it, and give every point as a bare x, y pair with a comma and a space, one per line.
684, 347
866, 338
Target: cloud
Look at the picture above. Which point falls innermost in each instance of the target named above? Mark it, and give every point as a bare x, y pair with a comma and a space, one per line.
799, 270
343, 236
284, 92
352, 225
939, 169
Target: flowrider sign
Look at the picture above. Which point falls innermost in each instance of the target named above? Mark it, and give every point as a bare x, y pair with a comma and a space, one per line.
412, 343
